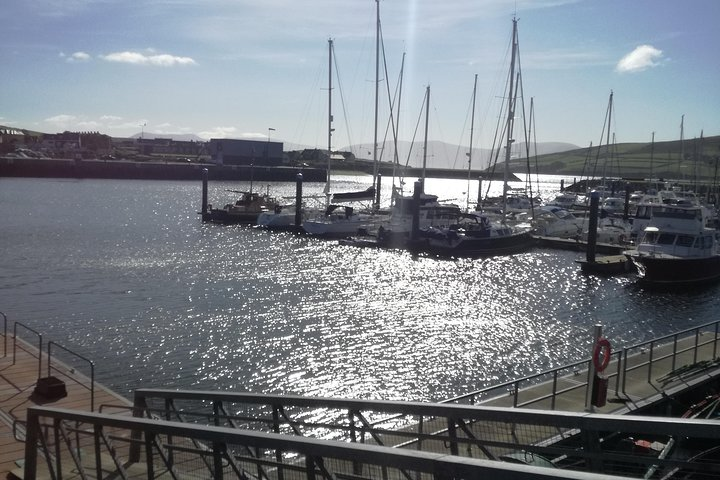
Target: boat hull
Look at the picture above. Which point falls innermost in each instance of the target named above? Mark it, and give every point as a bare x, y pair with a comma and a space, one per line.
224, 217
657, 270
475, 246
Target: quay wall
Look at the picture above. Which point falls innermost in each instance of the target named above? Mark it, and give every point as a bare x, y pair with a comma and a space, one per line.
161, 170
116, 169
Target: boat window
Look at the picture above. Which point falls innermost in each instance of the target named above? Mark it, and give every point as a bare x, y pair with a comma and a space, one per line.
651, 237
666, 239
685, 240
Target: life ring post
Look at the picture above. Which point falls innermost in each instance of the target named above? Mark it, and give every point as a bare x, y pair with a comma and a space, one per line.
598, 384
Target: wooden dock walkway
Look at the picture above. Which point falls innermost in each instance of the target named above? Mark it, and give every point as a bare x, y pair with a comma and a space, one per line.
18, 380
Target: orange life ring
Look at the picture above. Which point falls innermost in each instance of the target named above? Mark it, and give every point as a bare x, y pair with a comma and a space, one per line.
601, 354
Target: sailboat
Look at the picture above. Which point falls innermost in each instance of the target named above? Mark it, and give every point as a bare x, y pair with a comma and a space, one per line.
475, 233
420, 210
337, 220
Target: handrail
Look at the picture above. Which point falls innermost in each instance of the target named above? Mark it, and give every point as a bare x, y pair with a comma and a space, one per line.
306, 455
90, 362
39, 335
4, 334
622, 368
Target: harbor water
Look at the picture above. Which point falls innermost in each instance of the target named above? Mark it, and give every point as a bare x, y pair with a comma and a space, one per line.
124, 273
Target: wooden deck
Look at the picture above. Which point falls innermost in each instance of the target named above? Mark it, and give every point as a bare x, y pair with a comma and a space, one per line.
17, 393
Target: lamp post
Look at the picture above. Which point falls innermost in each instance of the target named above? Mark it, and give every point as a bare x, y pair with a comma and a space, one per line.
267, 147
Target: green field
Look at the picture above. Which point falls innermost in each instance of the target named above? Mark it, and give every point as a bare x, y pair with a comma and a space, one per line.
694, 159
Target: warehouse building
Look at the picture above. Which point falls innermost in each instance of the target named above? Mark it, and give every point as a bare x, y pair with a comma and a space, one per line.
224, 151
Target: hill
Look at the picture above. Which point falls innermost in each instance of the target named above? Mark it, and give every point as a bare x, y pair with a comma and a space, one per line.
442, 154
689, 159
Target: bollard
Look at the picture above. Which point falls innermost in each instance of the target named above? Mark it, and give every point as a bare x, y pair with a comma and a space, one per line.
592, 226
204, 211
298, 200
418, 189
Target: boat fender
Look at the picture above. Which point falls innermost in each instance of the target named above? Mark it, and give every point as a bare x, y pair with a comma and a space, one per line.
601, 354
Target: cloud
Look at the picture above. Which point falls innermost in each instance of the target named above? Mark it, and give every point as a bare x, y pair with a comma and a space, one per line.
642, 58
78, 57
61, 119
111, 118
217, 132
156, 60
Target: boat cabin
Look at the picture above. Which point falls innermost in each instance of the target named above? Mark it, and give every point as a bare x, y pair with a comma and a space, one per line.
678, 231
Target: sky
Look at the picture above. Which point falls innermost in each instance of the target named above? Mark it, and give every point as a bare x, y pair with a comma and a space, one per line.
259, 69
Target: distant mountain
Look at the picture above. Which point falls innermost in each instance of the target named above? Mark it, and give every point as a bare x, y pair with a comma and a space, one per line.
445, 155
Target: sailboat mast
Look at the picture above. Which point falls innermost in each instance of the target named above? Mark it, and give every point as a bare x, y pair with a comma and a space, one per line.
330, 119
652, 155
511, 116
377, 93
682, 146
427, 121
472, 130
609, 125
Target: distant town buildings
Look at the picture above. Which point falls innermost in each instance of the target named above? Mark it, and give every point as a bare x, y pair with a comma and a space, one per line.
225, 151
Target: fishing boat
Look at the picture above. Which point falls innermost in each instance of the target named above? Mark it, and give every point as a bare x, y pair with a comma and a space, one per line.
245, 210
475, 234
677, 248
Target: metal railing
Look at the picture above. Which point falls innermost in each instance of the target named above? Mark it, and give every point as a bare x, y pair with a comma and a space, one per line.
68, 372
39, 348
657, 356
662, 353
569, 445
64, 372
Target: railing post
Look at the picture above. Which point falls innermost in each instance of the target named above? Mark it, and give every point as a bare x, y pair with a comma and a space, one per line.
309, 467
554, 390
357, 466
591, 446
149, 462
624, 369
218, 451
650, 362
276, 429
452, 435
617, 371
32, 436
97, 432
4, 334
139, 408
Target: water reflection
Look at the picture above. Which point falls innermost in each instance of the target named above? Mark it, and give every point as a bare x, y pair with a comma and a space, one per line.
127, 275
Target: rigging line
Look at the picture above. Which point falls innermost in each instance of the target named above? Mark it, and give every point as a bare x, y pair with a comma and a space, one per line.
417, 126
391, 119
342, 96
397, 97
462, 131
304, 116
527, 128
